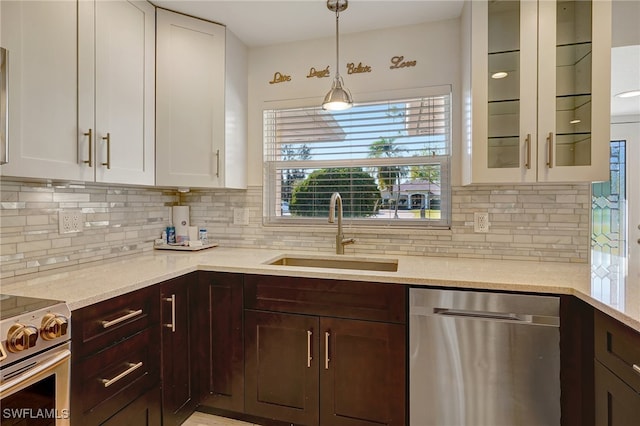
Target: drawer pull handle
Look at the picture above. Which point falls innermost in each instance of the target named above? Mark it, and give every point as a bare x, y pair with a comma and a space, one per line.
550, 150
309, 357
636, 368
326, 350
90, 160
172, 325
108, 140
218, 163
527, 143
131, 314
131, 369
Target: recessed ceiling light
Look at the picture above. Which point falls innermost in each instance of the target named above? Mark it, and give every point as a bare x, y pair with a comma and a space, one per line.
499, 75
576, 121
628, 94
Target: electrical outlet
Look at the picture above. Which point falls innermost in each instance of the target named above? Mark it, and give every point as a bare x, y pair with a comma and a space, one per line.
70, 221
480, 222
240, 216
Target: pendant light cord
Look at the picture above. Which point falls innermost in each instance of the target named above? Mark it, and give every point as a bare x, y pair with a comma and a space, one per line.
337, 39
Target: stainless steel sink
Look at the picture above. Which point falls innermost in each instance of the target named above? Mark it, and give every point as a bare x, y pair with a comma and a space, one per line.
386, 265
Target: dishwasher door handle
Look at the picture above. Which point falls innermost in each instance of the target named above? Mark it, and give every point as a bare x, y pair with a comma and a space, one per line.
499, 316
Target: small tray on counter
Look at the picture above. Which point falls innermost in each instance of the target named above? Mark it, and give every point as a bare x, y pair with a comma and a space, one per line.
180, 247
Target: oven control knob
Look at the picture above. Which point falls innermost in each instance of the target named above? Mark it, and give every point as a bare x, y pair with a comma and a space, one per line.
21, 337
53, 326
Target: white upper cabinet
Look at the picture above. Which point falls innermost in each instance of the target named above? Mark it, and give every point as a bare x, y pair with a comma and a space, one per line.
81, 73
200, 128
42, 40
536, 91
116, 90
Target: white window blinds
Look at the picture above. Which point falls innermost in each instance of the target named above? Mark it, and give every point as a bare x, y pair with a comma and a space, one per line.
389, 161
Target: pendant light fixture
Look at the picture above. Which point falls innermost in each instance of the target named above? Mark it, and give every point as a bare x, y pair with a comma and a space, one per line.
339, 97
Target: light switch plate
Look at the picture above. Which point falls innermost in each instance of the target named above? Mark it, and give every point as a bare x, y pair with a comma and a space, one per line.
70, 221
240, 216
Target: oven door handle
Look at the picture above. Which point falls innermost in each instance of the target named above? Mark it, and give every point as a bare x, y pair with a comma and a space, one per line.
45, 366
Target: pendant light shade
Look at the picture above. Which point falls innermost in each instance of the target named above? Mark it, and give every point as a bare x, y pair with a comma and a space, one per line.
339, 97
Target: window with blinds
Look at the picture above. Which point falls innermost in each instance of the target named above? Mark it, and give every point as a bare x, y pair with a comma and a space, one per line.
388, 160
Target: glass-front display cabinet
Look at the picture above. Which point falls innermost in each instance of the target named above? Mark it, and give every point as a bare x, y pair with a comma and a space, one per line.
537, 77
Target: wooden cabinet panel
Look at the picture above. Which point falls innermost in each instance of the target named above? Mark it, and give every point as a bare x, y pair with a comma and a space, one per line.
136, 355
43, 89
616, 403
190, 101
179, 391
144, 411
346, 299
221, 355
618, 348
281, 366
617, 372
98, 326
81, 70
115, 361
536, 118
576, 362
308, 362
362, 373
116, 86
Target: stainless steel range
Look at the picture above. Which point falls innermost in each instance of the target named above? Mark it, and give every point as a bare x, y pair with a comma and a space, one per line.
34, 361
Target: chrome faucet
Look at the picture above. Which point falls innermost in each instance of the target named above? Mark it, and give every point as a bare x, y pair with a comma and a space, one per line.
341, 241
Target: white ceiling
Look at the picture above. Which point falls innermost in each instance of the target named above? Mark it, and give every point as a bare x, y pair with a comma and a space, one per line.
268, 22
625, 76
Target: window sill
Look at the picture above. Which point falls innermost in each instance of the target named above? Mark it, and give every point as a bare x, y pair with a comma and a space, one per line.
326, 228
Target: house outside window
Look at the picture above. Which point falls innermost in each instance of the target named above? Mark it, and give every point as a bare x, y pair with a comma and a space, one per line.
389, 160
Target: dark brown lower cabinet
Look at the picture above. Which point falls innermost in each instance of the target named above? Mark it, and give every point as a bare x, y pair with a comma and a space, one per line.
617, 372
115, 367
576, 362
144, 411
282, 366
325, 352
220, 357
362, 373
179, 391
617, 404
312, 370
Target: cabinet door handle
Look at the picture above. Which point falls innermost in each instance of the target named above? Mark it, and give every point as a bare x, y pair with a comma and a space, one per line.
550, 150
131, 314
108, 139
636, 368
172, 299
326, 350
527, 143
309, 357
218, 163
89, 134
131, 369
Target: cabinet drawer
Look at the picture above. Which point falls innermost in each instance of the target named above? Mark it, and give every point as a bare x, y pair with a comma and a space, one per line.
618, 348
144, 411
103, 324
616, 403
113, 378
344, 299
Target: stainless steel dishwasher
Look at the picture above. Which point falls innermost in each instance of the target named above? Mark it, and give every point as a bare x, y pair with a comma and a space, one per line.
483, 359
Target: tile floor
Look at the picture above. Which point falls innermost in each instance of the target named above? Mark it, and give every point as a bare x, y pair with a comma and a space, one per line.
203, 419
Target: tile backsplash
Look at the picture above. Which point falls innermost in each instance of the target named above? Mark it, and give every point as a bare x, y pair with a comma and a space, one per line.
527, 222
119, 221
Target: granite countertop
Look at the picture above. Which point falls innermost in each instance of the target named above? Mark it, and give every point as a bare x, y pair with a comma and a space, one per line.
93, 283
